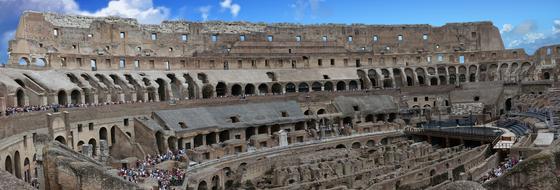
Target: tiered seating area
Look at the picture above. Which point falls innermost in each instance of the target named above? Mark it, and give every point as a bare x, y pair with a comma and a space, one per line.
516, 127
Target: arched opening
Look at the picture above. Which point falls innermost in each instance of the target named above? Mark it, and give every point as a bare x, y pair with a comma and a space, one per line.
353, 85
249, 131
421, 80
62, 97
263, 89
17, 165
546, 76
80, 143
26, 170
207, 91
113, 138
8, 166
508, 104
433, 81
162, 89
442, 80
328, 86
472, 77
321, 111
432, 173
160, 142
60, 139
290, 87
103, 134
316, 86
409, 81
249, 89
370, 143
215, 183
151, 94
462, 78
93, 143
172, 143
236, 90
340, 146
452, 79
356, 145
276, 88
23, 61
340, 86
41, 62
221, 89
380, 117
20, 98
303, 87
202, 185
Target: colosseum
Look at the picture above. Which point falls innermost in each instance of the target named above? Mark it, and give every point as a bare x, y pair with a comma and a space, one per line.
108, 103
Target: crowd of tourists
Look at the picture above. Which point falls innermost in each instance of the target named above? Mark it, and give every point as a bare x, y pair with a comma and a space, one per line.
146, 169
56, 107
502, 168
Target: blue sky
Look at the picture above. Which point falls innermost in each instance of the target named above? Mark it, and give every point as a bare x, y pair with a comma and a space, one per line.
523, 24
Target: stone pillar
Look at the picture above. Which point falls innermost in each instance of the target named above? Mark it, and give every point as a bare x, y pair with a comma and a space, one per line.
103, 150
204, 139
282, 138
392, 76
87, 150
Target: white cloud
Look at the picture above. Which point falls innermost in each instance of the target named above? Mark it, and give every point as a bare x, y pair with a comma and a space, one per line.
506, 28
525, 27
233, 7
312, 8
143, 10
6, 37
556, 27
204, 12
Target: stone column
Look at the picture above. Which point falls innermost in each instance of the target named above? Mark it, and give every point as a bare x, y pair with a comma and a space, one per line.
87, 150
103, 150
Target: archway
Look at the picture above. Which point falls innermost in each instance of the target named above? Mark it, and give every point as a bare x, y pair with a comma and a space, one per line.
508, 104
20, 96
62, 97
75, 97
340, 86
356, 145
26, 170
160, 142
370, 143
303, 87
340, 146
236, 90
113, 138
290, 87
202, 185
353, 85
316, 86
103, 134
434, 81
328, 86
93, 143
249, 89
221, 89
207, 91
61, 140
23, 61
276, 88
263, 89
216, 182
8, 166
17, 165
162, 89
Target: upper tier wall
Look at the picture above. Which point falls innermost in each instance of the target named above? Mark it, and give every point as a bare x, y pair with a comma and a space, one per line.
52, 34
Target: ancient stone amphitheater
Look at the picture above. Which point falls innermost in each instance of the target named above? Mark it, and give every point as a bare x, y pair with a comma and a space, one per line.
108, 103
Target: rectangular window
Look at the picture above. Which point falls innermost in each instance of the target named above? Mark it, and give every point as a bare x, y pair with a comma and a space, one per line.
324, 38
79, 60
55, 32
242, 38
80, 127
167, 66
332, 62
429, 59
184, 37
90, 126
154, 36
122, 35
298, 38
345, 62
400, 37
375, 38
548, 51
93, 63
269, 38
122, 63
320, 62
125, 122
214, 37
90, 35
350, 38
137, 64
439, 58
425, 37
461, 59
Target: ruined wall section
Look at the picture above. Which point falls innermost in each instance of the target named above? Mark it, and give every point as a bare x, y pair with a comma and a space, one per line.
53, 36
